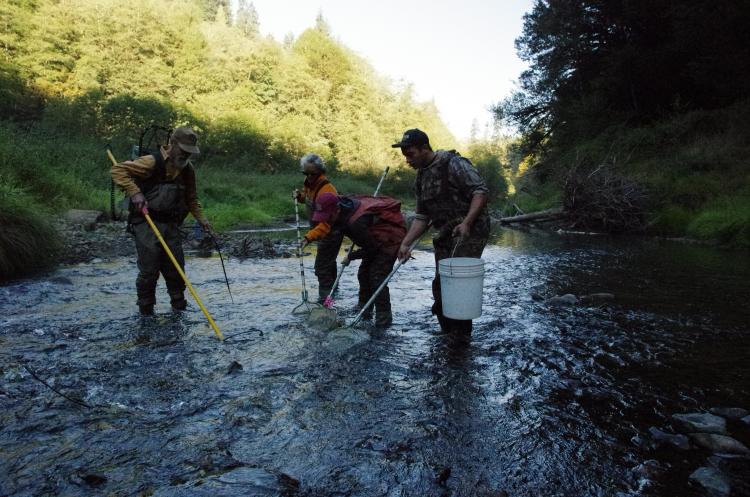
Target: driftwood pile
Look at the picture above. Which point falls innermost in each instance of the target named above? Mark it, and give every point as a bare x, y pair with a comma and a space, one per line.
595, 201
602, 200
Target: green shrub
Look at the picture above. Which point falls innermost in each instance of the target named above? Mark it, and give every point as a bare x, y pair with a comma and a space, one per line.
28, 242
726, 219
671, 220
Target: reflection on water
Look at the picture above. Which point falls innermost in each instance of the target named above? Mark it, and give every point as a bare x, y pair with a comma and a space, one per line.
543, 401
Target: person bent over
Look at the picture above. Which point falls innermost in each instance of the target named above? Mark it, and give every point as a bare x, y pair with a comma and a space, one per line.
376, 226
164, 184
453, 197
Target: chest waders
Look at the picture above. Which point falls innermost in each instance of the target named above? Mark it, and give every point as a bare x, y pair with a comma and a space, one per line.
146, 215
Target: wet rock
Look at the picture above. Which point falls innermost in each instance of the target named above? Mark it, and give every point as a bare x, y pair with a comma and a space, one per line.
746, 420
101, 241
647, 469
597, 298
639, 441
234, 368
83, 477
443, 475
562, 300
712, 480
730, 412
536, 297
702, 422
85, 219
720, 444
241, 481
61, 280
662, 438
256, 247
571, 385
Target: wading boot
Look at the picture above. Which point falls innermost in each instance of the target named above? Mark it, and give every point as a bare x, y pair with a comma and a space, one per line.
179, 304
146, 309
383, 319
178, 301
368, 313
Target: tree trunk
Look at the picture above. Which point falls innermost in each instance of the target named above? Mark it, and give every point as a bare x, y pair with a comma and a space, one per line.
546, 215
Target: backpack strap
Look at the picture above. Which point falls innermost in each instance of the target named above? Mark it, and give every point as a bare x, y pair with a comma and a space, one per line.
317, 188
445, 174
160, 169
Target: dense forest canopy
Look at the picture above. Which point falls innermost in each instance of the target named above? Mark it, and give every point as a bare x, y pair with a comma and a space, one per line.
112, 67
640, 104
594, 63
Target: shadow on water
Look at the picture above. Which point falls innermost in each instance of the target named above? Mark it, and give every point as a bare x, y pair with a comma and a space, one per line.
544, 400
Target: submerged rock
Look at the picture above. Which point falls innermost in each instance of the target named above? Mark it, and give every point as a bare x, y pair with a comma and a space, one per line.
702, 422
241, 481
234, 368
660, 437
649, 469
61, 280
730, 412
562, 300
83, 477
597, 298
712, 480
721, 444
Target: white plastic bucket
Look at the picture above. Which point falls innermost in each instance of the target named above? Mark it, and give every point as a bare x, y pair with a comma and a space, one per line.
461, 281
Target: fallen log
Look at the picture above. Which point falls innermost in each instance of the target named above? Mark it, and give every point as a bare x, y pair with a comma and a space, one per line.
546, 215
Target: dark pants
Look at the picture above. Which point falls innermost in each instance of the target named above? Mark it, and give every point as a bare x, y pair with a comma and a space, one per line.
373, 270
444, 244
153, 260
325, 262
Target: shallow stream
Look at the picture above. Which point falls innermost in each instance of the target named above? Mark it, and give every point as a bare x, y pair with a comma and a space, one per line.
545, 400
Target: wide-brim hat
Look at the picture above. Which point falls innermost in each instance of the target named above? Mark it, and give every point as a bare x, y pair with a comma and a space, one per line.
186, 139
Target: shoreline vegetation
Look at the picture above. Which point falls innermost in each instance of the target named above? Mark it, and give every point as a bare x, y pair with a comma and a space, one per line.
260, 104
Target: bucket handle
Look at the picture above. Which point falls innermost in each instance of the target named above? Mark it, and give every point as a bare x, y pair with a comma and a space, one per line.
458, 242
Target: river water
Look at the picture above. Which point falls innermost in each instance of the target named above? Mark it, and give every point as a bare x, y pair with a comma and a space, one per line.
545, 400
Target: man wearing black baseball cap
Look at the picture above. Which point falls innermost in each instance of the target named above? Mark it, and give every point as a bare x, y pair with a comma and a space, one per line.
412, 138
453, 197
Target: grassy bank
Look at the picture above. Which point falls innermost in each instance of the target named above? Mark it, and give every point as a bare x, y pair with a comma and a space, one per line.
694, 168
233, 197
56, 173
43, 174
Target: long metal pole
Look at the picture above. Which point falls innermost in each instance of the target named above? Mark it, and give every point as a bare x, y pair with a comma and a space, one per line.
299, 251
385, 282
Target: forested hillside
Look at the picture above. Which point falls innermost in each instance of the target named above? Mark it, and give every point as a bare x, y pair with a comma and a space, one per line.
650, 96
109, 68
76, 75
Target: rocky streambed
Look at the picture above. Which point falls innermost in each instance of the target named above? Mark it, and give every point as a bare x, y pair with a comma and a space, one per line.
607, 367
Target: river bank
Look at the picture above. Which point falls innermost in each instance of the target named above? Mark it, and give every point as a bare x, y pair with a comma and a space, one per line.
105, 240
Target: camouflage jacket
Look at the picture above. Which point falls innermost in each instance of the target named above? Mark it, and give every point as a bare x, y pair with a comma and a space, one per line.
445, 187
